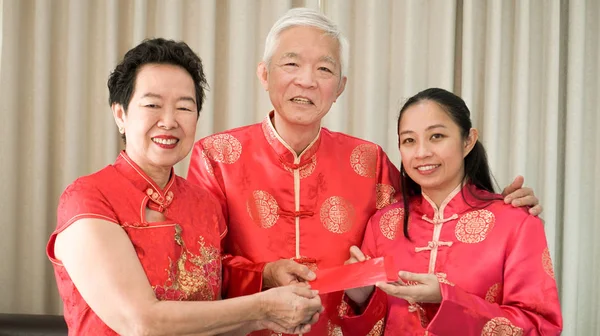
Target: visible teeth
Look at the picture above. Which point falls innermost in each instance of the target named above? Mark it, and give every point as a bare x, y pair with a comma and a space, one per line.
301, 100
430, 167
165, 141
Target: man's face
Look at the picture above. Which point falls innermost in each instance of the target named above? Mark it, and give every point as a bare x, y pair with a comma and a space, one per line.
303, 78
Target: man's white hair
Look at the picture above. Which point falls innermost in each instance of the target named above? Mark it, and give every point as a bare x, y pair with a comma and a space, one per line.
309, 18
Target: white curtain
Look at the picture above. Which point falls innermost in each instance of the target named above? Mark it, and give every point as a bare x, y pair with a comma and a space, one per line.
529, 71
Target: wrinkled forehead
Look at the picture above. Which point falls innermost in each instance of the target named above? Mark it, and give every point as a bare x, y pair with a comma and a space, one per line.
296, 41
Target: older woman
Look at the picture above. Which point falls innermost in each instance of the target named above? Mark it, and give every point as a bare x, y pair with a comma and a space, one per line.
134, 241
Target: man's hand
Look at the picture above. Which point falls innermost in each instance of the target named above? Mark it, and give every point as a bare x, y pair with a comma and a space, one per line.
290, 309
358, 295
518, 196
285, 272
421, 287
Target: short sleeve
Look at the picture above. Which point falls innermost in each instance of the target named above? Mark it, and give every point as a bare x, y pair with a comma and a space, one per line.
82, 199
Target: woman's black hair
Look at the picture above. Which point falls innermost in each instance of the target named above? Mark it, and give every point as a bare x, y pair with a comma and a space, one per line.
477, 168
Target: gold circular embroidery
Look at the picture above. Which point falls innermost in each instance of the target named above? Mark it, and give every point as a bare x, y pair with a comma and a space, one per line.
306, 170
207, 164
377, 329
493, 294
500, 326
385, 195
390, 222
474, 226
364, 160
223, 148
333, 330
547, 262
263, 209
337, 214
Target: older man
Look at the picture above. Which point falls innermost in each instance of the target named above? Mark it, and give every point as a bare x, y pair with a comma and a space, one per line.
296, 196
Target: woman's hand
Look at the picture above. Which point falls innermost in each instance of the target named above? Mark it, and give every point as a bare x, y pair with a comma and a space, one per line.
291, 309
359, 295
414, 287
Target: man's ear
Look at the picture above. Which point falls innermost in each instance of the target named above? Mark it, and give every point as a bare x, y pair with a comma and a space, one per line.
341, 87
262, 72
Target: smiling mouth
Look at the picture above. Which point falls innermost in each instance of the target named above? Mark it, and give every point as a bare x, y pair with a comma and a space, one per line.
304, 101
427, 167
167, 142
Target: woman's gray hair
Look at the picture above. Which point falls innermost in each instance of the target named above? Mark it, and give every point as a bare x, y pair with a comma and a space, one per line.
309, 18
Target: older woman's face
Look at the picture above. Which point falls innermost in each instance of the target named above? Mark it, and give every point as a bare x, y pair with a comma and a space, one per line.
303, 78
160, 123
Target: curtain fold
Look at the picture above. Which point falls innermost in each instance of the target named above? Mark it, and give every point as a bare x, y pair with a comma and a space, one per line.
528, 70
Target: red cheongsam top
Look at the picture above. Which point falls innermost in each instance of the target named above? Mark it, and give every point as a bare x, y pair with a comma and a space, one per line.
180, 256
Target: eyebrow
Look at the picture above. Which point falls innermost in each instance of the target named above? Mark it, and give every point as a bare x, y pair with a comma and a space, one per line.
427, 129
289, 55
154, 95
327, 59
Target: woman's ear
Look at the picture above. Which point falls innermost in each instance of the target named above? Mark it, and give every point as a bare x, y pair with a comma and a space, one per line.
470, 141
119, 115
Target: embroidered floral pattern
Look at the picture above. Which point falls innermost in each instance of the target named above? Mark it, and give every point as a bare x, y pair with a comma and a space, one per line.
364, 160
501, 326
385, 195
207, 164
337, 214
268, 131
443, 279
333, 330
416, 308
222, 148
390, 222
473, 227
493, 294
263, 209
547, 263
343, 308
192, 277
377, 329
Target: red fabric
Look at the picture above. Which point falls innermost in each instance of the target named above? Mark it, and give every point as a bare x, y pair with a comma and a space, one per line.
355, 275
492, 260
183, 248
310, 208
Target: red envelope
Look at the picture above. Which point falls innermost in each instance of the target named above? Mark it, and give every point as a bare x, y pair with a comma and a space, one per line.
359, 274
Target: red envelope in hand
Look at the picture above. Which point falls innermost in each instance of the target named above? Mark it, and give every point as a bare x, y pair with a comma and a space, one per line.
359, 274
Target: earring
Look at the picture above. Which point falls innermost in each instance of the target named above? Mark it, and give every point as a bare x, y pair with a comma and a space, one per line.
121, 130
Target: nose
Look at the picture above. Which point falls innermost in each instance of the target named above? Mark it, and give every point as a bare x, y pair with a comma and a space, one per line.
423, 149
168, 119
306, 78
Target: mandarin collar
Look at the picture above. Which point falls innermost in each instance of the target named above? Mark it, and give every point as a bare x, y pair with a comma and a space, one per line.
453, 204
285, 152
160, 199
